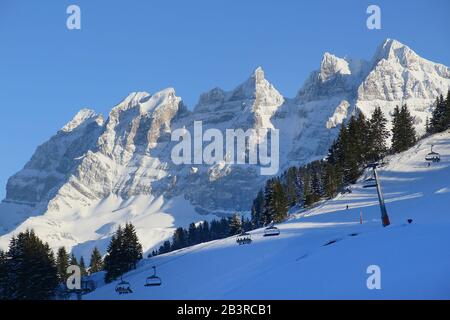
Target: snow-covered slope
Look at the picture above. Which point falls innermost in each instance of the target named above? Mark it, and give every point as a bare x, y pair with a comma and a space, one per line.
325, 252
96, 172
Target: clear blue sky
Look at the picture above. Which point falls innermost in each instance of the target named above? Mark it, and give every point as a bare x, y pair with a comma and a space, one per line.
47, 73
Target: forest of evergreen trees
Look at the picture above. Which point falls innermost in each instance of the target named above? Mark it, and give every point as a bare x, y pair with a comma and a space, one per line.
204, 232
29, 270
124, 251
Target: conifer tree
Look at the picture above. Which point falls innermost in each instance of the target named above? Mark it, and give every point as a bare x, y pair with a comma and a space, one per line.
278, 204
62, 263
32, 268
257, 210
292, 186
268, 212
165, 248
403, 132
180, 239
131, 247
96, 264
447, 111
4, 273
378, 135
308, 192
354, 156
114, 264
73, 260
235, 225
82, 267
193, 235
332, 180
438, 120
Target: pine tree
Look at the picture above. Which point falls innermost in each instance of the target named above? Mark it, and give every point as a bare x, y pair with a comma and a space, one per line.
257, 210
276, 203
4, 275
332, 180
62, 263
131, 247
446, 120
354, 156
267, 212
114, 264
165, 247
292, 193
235, 224
438, 119
403, 132
193, 235
377, 137
308, 192
204, 232
428, 130
96, 264
73, 260
82, 267
179, 239
32, 268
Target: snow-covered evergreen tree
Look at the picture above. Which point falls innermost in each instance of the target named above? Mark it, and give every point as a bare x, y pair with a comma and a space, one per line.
62, 263
96, 263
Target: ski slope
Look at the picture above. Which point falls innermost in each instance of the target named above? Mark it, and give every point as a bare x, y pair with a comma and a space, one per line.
414, 259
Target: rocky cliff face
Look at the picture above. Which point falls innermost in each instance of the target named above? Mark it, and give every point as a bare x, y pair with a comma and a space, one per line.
98, 172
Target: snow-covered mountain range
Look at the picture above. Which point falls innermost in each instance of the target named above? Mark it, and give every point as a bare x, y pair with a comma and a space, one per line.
98, 172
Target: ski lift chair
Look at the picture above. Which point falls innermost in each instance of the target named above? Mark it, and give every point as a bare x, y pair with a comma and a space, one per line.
244, 238
370, 183
123, 287
87, 286
271, 231
433, 156
154, 280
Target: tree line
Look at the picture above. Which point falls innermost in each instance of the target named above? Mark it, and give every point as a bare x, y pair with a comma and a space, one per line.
203, 232
30, 271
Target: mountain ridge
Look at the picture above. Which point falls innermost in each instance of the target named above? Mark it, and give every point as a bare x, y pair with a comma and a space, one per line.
124, 160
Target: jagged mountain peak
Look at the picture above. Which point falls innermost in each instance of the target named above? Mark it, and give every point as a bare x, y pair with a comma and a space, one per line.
254, 88
255, 84
82, 116
332, 65
393, 50
166, 97
132, 99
